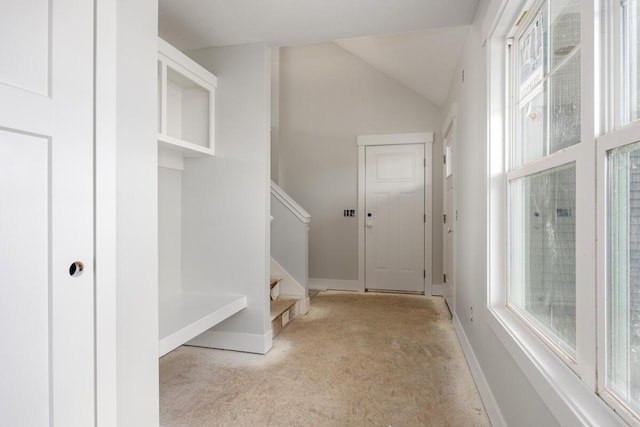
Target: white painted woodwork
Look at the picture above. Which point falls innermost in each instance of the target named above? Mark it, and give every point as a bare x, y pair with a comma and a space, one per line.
186, 111
46, 220
183, 313
290, 235
186, 103
188, 314
448, 208
395, 217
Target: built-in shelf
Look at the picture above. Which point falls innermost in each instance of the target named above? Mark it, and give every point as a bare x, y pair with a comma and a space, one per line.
186, 315
186, 103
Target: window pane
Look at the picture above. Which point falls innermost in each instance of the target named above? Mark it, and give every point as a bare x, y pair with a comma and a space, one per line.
542, 253
565, 105
533, 129
623, 283
630, 54
549, 82
565, 29
531, 54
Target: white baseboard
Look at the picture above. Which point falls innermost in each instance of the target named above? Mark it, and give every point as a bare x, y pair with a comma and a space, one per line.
333, 284
488, 399
437, 289
248, 343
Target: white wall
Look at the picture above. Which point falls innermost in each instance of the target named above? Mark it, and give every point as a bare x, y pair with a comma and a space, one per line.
169, 232
517, 401
327, 98
226, 197
126, 213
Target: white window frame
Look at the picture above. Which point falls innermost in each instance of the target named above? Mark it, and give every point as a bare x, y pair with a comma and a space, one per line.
614, 134
582, 154
567, 389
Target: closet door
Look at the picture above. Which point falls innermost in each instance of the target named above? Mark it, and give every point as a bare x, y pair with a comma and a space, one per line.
47, 365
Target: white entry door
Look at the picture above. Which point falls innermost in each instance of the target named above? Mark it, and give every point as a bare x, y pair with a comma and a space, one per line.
394, 217
46, 213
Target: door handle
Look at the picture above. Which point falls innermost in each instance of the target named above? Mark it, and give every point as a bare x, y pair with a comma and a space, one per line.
76, 269
369, 224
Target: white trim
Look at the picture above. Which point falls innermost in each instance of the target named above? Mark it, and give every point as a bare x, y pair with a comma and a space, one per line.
437, 289
333, 284
488, 399
562, 391
396, 139
426, 138
451, 116
248, 343
173, 55
449, 136
289, 203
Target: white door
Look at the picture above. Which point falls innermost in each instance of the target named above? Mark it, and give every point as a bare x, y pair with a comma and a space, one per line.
449, 220
395, 217
46, 213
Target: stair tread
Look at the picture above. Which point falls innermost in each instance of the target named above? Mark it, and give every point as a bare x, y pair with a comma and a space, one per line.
281, 305
274, 281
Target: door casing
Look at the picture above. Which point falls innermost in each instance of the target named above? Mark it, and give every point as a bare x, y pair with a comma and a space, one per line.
364, 141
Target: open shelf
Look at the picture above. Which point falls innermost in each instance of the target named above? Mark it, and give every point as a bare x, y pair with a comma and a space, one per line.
188, 314
186, 103
186, 148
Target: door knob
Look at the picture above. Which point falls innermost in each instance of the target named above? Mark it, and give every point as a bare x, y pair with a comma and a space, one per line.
75, 269
369, 224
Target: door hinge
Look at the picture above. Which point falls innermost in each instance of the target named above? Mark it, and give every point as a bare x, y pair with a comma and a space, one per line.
445, 218
445, 278
424, 218
444, 159
425, 162
424, 274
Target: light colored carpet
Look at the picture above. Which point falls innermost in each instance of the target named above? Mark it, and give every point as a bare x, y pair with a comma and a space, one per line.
353, 360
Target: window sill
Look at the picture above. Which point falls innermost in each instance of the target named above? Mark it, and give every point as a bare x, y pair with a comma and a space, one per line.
562, 391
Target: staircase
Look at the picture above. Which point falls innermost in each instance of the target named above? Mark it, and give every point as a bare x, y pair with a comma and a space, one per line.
283, 309
289, 259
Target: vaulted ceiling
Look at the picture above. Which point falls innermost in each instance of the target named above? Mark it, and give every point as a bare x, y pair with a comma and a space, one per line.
417, 42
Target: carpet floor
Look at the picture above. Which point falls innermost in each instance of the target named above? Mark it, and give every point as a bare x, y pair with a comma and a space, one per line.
353, 360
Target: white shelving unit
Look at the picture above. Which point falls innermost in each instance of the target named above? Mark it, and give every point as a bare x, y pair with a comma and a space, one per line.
186, 103
186, 95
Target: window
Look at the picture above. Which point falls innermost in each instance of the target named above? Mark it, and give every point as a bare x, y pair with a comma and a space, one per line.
564, 206
623, 271
543, 246
541, 178
619, 151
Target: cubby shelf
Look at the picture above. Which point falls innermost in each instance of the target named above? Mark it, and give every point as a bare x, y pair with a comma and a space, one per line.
186, 103
188, 314
186, 112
